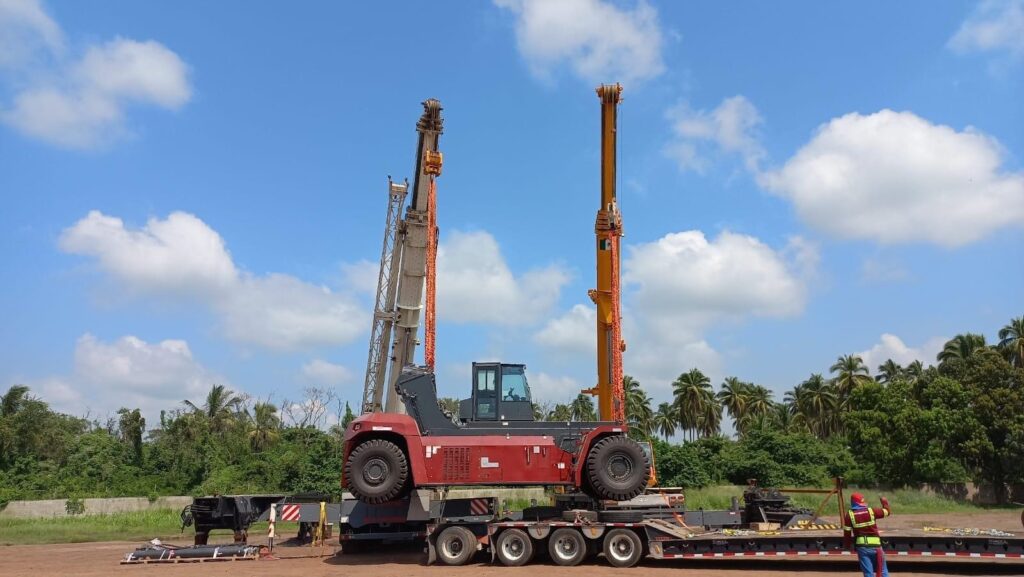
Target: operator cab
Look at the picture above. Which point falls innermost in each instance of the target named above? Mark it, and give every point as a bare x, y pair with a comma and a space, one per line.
500, 393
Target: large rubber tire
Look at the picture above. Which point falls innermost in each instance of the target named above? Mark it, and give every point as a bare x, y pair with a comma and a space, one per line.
567, 547
617, 468
623, 547
455, 545
377, 471
513, 548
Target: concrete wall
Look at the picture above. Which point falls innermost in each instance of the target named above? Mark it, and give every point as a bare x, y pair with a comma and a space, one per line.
58, 507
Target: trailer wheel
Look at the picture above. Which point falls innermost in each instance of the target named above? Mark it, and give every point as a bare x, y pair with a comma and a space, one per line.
513, 547
377, 471
622, 547
618, 468
455, 545
567, 547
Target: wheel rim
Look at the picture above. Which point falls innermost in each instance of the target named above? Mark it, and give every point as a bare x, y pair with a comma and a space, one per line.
513, 548
621, 548
453, 547
620, 466
566, 548
376, 471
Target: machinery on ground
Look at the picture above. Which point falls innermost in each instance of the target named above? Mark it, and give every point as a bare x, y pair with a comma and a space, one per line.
495, 440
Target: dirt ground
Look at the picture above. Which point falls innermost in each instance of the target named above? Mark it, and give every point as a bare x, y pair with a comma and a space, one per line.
102, 560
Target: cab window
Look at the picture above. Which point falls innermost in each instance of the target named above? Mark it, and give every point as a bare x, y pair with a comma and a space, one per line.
513, 384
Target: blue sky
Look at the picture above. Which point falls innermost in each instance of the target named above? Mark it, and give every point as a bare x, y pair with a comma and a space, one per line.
196, 193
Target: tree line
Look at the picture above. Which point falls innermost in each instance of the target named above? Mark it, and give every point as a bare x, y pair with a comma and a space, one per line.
959, 420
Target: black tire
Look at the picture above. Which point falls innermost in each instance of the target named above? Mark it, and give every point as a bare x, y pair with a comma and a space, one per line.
377, 471
513, 548
623, 547
455, 545
617, 468
567, 547
621, 516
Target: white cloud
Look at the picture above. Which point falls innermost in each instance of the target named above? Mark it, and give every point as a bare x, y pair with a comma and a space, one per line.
545, 387
571, 333
128, 372
24, 29
474, 284
894, 177
892, 347
178, 254
682, 284
730, 128
321, 372
182, 257
596, 39
994, 26
81, 103
361, 276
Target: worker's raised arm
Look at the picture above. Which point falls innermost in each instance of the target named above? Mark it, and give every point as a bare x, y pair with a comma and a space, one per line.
885, 510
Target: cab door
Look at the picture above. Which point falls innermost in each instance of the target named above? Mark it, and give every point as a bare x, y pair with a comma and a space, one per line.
485, 392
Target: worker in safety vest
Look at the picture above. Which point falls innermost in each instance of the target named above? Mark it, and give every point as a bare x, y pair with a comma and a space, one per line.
861, 531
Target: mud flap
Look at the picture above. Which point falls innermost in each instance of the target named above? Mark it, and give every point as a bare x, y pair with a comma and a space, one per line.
431, 547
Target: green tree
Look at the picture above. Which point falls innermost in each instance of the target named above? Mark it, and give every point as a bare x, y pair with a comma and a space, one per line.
131, 425
582, 408
638, 407
889, 371
1011, 341
665, 420
691, 392
348, 417
733, 396
220, 408
962, 347
850, 372
561, 413
264, 426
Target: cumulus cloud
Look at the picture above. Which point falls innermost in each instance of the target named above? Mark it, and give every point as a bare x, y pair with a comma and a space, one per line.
994, 26
474, 284
894, 177
321, 372
730, 128
361, 276
596, 39
182, 257
571, 333
892, 347
545, 387
129, 372
81, 103
683, 283
26, 28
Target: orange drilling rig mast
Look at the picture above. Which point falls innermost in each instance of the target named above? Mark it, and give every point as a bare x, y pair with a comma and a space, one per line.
608, 229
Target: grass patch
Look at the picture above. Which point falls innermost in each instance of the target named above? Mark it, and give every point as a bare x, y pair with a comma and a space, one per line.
135, 526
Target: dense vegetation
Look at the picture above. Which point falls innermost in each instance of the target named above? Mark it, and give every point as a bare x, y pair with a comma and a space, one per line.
960, 420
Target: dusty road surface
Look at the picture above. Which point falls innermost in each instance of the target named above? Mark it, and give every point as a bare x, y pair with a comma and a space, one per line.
102, 560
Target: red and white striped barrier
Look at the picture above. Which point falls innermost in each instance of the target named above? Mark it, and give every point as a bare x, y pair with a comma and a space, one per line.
290, 512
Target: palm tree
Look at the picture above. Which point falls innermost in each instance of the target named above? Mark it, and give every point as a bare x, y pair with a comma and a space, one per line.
583, 408
818, 402
1011, 341
264, 426
638, 406
561, 413
785, 420
709, 422
961, 347
851, 373
691, 391
889, 371
914, 370
219, 409
733, 397
665, 419
13, 400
